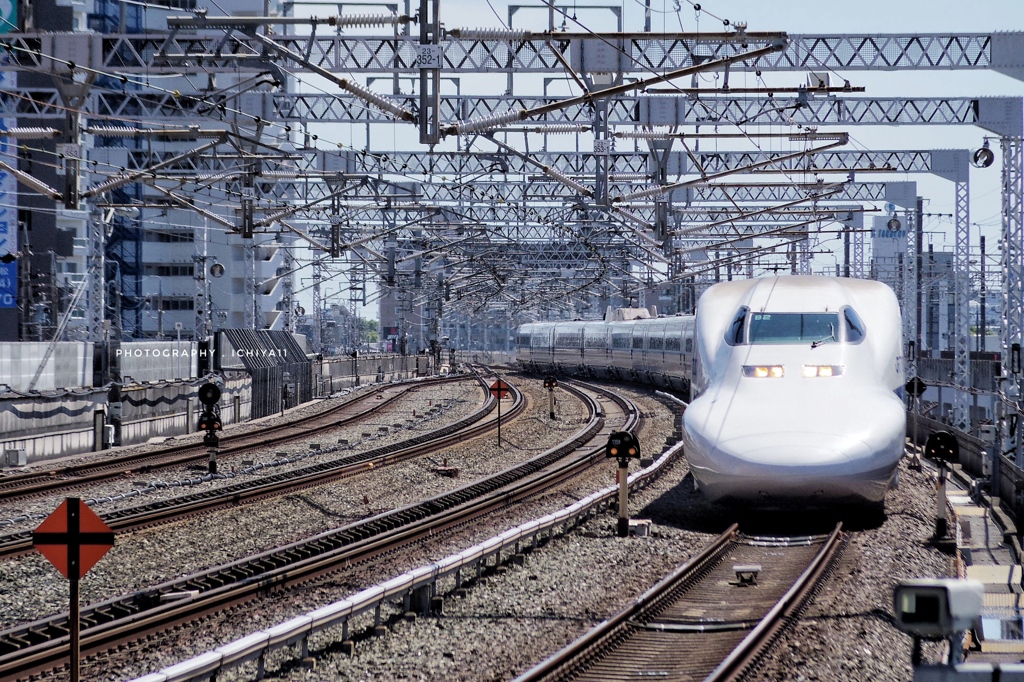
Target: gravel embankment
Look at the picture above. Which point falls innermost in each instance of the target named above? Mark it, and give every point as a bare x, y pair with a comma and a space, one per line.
517, 618
32, 589
417, 412
175, 646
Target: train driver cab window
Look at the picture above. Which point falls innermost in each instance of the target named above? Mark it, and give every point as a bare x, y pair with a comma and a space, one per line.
854, 326
734, 336
792, 328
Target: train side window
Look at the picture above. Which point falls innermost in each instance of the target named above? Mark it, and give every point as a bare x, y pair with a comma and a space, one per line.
655, 342
567, 340
854, 326
638, 341
737, 332
672, 343
689, 344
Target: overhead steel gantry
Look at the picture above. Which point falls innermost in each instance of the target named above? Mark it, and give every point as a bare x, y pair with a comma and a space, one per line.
224, 47
211, 45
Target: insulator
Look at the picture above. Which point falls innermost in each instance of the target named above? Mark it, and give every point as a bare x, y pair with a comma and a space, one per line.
636, 219
191, 132
367, 20
644, 135
113, 131
629, 177
650, 192
489, 34
30, 133
567, 181
485, 123
376, 100
559, 128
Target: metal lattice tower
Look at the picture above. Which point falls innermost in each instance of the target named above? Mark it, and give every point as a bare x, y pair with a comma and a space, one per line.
318, 306
203, 306
1013, 275
910, 296
288, 288
249, 282
962, 327
97, 301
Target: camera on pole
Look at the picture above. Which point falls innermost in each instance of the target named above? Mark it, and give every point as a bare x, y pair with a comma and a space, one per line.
623, 446
209, 420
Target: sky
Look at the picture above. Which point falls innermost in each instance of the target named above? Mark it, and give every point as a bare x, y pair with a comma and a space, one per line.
798, 17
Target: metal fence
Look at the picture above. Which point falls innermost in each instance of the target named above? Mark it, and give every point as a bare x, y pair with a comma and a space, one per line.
976, 458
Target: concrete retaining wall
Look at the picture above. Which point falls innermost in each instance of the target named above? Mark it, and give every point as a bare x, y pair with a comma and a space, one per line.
57, 425
69, 365
338, 373
142, 361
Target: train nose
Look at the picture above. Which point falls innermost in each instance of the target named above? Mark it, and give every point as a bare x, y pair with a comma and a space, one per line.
790, 451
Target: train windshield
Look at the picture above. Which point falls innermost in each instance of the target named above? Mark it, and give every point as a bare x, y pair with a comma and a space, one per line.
792, 328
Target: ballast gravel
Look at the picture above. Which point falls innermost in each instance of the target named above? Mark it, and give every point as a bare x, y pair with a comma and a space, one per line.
513, 619
423, 409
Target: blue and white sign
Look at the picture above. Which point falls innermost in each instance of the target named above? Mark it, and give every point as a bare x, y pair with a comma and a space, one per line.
8, 285
8, 217
8, 16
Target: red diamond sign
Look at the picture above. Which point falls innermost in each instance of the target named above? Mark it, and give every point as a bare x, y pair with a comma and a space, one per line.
73, 538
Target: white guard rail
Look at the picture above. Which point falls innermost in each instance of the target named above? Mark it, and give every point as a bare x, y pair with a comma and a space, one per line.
297, 630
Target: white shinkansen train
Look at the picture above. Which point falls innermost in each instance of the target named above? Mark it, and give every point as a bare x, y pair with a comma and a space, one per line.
794, 383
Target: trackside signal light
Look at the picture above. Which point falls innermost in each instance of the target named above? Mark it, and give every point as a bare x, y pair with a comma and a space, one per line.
622, 444
209, 421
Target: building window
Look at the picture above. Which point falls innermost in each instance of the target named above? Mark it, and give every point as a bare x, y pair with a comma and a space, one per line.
170, 270
177, 304
169, 237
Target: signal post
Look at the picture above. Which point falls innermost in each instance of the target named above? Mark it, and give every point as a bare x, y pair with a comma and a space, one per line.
551, 383
623, 446
943, 447
209, 420
499, 389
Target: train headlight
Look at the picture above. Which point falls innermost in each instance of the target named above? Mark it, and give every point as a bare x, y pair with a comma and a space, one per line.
763, 371
811, 371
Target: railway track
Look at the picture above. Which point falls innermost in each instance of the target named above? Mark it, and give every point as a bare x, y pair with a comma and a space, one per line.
43, 644
709, 620
18, 486
249, 491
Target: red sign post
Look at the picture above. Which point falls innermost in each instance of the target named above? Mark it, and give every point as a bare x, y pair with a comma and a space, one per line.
73, 539
500, 390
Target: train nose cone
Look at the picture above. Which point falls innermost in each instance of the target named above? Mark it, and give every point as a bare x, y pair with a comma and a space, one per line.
791, 451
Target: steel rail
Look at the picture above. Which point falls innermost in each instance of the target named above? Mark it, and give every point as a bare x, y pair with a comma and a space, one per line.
745, 656
188, 598
243, 492
17, 486
609, 632
668, 607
